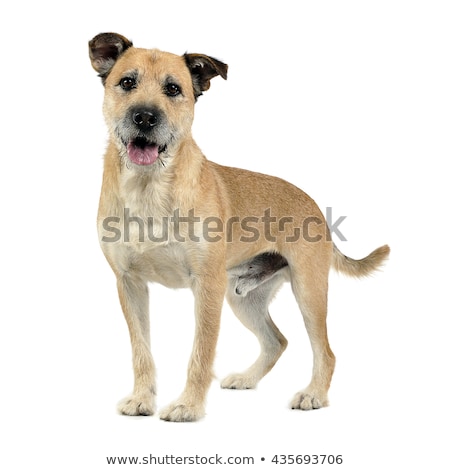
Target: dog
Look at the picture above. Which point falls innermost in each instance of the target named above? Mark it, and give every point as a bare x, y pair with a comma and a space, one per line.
169, 215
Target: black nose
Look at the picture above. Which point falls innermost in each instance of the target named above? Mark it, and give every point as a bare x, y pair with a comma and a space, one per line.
145, 119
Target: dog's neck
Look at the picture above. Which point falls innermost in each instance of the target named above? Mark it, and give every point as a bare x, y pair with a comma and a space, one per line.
158, 189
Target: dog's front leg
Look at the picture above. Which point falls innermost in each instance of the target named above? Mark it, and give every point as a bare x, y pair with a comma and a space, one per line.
133, 295
209, 292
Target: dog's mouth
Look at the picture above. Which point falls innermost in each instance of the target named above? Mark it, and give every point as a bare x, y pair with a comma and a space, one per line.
143, 152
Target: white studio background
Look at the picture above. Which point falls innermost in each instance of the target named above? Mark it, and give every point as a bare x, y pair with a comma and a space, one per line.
348, 100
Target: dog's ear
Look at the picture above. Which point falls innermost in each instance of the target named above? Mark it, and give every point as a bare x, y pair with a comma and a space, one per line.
203, 68
104, 49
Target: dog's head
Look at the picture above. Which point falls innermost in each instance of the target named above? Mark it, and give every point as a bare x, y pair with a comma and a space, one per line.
149, 95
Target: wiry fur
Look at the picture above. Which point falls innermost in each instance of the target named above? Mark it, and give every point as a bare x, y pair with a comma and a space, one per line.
362, 267
163, 88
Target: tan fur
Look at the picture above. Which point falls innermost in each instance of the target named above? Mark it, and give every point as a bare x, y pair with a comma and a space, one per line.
362, 267
182, 181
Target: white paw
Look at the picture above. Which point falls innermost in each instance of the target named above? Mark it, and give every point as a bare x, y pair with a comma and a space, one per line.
239, 382
135, 405
181, 412
305, 400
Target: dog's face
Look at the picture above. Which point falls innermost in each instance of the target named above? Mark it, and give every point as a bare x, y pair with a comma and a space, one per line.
149, 95
149, 103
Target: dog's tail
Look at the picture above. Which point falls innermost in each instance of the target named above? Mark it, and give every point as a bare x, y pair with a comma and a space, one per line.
362, 267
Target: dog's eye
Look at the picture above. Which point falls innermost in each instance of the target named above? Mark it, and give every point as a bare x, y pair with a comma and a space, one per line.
127, 83
172, 89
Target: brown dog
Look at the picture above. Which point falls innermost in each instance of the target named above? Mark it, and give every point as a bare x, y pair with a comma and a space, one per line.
168, 215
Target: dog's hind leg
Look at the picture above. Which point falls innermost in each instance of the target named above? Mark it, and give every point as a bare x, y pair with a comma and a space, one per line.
252, 311
310, 290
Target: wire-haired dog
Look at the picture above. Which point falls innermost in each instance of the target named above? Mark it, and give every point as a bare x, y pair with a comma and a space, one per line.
169, 215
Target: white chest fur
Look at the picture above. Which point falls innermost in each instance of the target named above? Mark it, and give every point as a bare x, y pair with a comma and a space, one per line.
143, 230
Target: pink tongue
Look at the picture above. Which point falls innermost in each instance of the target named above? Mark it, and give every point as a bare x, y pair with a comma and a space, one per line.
142, 156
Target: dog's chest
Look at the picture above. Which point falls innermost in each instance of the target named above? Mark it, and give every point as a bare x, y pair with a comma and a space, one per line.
167, 265
147, 209
147, 243
146, 194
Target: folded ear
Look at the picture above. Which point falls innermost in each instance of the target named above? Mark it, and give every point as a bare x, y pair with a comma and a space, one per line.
104, 49
203, 68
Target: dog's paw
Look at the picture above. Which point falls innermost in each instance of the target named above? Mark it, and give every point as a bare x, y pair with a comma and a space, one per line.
135, 405
305, 400
239, 382
181, 412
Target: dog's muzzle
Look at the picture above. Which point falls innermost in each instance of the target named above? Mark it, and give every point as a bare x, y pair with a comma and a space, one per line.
144, 148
